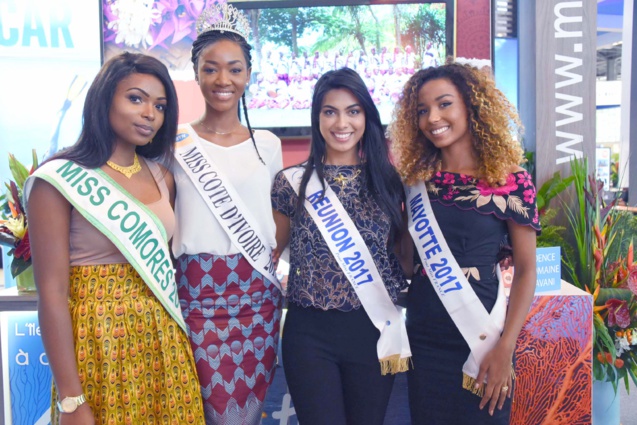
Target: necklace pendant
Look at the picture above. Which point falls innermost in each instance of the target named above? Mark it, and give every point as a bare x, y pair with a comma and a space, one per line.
344, 180
129, 171
341, 180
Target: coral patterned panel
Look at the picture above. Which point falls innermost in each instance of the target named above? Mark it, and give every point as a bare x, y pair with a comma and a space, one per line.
554, 363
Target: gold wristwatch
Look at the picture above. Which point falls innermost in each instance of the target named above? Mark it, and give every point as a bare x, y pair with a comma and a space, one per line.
70, 404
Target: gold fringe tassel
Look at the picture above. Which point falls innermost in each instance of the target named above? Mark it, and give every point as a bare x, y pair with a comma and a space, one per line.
394, 364
469, 383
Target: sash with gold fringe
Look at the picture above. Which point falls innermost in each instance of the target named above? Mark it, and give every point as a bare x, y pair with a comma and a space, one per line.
351, 253
479, 328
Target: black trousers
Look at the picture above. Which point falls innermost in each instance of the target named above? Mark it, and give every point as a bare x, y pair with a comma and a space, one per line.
332, 368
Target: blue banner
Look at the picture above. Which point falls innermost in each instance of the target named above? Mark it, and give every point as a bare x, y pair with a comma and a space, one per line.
26, 373
549, 270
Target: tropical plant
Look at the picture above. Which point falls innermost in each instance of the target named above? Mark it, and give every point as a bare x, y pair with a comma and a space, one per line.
552, 234
14, 231
603, 267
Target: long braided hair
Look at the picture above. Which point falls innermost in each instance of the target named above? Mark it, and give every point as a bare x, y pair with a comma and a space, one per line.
207, 38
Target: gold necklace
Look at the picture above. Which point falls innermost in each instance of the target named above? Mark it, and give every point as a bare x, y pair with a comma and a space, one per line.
216, 132
127, 171
343, 180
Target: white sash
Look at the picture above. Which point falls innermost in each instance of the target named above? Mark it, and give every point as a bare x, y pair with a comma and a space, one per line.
353, 256
480, 329
127, 223
225, 203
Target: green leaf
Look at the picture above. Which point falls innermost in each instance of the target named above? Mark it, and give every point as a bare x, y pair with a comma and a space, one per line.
18, 265
606, 294
599, 374
551, 188
631, 373
602, 336
18, 171
34, 160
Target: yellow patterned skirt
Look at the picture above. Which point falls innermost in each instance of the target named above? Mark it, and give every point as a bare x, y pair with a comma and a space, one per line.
135, 363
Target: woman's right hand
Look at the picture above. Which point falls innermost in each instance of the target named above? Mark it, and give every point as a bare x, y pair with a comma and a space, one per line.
82, 416
49, 217
276, 255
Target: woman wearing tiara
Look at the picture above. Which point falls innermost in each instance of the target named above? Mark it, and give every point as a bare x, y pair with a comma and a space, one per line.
225, 231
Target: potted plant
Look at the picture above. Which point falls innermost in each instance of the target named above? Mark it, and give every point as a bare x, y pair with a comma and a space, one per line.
14, 232
603, 264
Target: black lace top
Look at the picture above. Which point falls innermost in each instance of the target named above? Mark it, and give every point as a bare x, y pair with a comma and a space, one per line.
315, 277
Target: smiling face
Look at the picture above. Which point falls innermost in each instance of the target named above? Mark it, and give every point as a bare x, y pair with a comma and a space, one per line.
342, 125
137, 110
442, 115
222, 75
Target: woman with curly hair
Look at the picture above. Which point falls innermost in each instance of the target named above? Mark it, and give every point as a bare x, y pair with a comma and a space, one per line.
453, 135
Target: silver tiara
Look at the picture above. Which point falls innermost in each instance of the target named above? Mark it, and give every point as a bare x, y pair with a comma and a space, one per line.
223, 17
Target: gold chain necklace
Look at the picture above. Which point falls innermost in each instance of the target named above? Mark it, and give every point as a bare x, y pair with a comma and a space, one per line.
216, 132
127, 171
343, 180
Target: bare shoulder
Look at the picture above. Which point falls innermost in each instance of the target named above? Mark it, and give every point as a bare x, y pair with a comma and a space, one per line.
48, 211
516, 169
44, 194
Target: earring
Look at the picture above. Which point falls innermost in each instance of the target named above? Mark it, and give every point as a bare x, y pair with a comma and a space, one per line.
150, 141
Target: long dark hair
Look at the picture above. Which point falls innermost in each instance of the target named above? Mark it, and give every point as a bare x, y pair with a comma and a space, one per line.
383, 181
97, 140
207, 38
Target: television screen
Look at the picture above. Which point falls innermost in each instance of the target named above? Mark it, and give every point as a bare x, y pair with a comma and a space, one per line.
294, 46
294, 43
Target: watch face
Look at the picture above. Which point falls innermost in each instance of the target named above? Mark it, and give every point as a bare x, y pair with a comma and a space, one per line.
68, 405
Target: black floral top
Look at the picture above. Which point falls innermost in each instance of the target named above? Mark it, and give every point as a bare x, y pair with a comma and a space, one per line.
315, 277
473, 218
472, 215
515, 200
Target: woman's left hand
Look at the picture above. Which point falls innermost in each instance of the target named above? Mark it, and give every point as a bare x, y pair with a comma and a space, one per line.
497, 367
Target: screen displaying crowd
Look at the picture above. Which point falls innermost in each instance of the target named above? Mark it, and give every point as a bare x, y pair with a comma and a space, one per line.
295, 46
286, 80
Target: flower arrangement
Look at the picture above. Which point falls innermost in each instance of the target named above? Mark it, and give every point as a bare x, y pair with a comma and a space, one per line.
604, 265
14, 232
147, 24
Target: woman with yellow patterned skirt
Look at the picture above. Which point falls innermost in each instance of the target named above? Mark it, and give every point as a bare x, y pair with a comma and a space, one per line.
111, 324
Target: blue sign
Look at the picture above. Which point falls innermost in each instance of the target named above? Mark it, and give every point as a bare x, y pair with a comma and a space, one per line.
27, 377
549, 269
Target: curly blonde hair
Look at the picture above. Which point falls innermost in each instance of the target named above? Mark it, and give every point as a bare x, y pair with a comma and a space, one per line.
493, 122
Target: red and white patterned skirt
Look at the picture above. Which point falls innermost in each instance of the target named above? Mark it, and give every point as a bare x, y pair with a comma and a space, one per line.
233, 317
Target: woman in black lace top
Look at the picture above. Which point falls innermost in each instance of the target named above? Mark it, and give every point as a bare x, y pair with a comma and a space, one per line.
455, 132
329, 343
